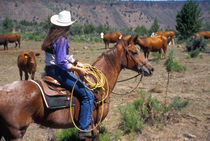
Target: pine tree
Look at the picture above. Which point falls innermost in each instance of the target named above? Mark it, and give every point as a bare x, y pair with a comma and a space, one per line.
188, 19
141, 30
7, 25
155, 26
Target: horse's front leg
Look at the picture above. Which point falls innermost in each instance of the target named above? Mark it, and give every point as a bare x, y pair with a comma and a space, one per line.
160, 52
148, 52
14, 134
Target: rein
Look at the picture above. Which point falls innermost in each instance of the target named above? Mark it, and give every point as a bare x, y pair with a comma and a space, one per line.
129, 78
132, 89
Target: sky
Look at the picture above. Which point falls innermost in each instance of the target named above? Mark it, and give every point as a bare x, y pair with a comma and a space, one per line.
164, 0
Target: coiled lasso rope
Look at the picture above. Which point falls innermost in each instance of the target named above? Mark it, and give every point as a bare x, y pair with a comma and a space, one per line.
101, 80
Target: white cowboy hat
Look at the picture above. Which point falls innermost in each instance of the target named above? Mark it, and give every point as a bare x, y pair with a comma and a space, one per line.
62, 19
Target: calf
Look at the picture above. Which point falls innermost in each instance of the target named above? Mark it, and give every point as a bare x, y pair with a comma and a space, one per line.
110, 38
26, 62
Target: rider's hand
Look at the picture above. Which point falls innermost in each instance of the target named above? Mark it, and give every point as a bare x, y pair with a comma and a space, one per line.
80, 71
79, 64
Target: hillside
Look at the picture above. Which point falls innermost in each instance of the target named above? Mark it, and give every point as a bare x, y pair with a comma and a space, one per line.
116, 14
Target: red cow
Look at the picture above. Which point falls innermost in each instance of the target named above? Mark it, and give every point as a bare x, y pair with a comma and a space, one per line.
26, 62
110, 38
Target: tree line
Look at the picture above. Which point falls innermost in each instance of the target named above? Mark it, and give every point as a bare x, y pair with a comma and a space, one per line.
188, 22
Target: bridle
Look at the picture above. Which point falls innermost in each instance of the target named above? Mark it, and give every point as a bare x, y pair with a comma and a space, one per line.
129, 55
139, 67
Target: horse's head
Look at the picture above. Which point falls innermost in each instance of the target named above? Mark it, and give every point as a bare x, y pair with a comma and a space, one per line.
134, 60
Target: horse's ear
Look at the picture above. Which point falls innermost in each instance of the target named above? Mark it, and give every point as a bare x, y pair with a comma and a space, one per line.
135, 39
130, 40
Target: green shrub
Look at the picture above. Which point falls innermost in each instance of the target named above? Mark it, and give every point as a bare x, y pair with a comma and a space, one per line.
178, 104
143, 109
178, 67
118, 134
194, 53
87, 38
172, 65
33, 36
194, 43
156, 55
104, 137
66, 135
103, 134
181, 41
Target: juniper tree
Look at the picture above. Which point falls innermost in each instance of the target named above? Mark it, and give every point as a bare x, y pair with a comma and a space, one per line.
188, 19
155, 26
7, 25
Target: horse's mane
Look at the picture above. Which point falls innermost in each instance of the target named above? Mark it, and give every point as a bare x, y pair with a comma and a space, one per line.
110, 54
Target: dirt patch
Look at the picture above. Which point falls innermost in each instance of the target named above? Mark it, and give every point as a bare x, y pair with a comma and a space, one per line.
193, 123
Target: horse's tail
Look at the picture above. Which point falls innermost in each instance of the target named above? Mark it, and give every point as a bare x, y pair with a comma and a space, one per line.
102, 35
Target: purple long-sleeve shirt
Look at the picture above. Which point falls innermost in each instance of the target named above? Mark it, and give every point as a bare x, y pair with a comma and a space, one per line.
61, 57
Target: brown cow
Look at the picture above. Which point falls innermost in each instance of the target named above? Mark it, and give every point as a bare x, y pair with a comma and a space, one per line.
154, 44
110, 38
13, 38
206, 34
27, 62
167, 34
3, 41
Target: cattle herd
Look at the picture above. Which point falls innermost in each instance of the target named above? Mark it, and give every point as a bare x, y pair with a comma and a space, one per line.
158, 42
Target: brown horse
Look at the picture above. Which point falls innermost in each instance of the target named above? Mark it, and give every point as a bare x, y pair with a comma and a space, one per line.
12, 38
21, 102
154, 44
206, 34
167, 34
126, 37
110, 38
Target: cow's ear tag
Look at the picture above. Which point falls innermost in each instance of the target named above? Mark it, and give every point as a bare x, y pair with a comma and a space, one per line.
26, 57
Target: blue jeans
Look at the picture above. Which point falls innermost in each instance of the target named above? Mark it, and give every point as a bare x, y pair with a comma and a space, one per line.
86, 96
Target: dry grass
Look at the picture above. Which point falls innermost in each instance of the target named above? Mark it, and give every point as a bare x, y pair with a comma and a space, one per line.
193, 84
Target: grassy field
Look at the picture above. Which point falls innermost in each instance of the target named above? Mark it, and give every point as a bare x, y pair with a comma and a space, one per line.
192, 123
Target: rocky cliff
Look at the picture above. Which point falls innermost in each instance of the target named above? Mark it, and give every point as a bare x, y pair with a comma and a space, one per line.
115, 14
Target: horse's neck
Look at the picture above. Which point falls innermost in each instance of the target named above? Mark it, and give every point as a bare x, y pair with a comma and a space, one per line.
141, 42
110, 65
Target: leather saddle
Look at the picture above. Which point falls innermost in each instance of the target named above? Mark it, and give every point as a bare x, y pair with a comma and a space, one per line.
54, 95
52, 87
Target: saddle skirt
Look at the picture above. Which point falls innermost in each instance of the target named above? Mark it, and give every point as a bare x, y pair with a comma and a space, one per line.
53, 94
